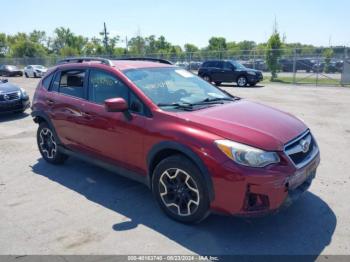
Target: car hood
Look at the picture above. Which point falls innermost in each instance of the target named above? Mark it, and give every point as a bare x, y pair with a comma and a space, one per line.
249, 123
7, 87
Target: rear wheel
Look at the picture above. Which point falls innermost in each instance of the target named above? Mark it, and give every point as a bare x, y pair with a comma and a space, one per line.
26, 75
242, 81
218, 83
47, 144
207, 78
180, 190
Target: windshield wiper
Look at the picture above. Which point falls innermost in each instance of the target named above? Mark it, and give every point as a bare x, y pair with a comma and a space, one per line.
185, 106
215, 100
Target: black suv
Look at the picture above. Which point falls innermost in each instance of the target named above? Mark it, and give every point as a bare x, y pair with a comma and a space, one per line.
219, 71
12, 98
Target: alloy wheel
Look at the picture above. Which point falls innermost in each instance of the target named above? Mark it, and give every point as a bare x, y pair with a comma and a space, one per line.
242, 81
47, 143
206, 78
179, 192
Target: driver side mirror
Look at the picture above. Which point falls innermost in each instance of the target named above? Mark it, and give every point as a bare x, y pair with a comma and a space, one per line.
116, 105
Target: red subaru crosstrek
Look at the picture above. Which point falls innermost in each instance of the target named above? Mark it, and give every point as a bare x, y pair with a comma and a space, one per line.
198, 148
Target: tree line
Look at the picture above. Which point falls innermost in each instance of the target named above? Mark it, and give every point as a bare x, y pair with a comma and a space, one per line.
66, 43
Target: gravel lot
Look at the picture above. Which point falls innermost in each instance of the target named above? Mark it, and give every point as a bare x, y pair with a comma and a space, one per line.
81, 209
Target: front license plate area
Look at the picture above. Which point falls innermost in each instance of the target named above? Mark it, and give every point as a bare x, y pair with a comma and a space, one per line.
298, 178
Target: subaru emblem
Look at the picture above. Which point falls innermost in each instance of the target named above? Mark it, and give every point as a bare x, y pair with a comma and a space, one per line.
305, 145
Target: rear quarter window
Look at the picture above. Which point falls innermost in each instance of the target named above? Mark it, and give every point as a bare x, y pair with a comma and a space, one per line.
47, 81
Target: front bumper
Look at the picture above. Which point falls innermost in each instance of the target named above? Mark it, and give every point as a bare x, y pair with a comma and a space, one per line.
255, 79
14, 106
252, 192
40, 74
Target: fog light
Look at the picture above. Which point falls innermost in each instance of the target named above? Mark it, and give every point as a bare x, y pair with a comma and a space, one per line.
256, 202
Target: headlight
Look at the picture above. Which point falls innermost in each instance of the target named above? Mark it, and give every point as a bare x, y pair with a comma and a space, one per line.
251, 73
24, 93
247, 155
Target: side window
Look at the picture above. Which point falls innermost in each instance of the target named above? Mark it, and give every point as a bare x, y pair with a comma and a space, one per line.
135, 104
220, 64
206, 64
72, 83
47, 81
56, 82
228, 65
103, 85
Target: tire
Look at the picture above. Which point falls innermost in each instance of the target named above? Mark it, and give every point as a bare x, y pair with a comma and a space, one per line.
34, 75
207, 78
47, 145
218, 83
180, 190
26, 75
242, 81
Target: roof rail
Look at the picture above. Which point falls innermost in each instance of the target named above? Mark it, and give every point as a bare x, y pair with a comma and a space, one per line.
157, 60
104, 61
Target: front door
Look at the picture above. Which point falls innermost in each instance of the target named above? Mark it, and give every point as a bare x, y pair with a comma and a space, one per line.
111, 135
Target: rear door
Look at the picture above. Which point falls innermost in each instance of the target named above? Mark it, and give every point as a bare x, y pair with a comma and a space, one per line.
216, 71
228, 72
66, 101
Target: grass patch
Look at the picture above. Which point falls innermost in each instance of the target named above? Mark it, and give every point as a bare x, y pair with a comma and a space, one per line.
308, 80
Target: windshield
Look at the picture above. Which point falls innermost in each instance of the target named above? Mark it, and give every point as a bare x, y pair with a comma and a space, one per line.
173, 86
38, 66
237, 65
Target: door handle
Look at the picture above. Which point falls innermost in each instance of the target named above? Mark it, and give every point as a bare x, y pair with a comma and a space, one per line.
87, 115
50, 102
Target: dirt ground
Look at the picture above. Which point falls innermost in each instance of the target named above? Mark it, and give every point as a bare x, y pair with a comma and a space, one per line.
82, 209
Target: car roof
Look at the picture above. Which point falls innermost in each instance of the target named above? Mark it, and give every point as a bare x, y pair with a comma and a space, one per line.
118, 64
130, 64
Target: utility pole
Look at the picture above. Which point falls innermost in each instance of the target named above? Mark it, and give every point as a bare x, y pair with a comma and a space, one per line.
105, 40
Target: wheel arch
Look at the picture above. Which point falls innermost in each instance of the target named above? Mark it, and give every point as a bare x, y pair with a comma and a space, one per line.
165, 149
39, 117
240, 75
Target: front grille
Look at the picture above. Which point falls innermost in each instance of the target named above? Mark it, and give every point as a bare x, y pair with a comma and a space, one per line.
14, 105
10, 96
302, 149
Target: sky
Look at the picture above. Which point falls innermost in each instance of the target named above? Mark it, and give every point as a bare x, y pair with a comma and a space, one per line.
320, 23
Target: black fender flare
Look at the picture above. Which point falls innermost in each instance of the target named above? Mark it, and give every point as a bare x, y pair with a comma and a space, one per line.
188, 152
46, 118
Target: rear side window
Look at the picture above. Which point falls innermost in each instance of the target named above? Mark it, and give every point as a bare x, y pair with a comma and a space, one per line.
228, 65
103, 85
206, 64
47, 81
219, 64
72, 83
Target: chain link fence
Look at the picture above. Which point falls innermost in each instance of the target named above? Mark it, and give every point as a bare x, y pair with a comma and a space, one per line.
297, 66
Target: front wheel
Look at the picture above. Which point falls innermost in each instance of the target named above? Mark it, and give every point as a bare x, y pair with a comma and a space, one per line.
242, 81
180, 190
47, 144
218, 83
